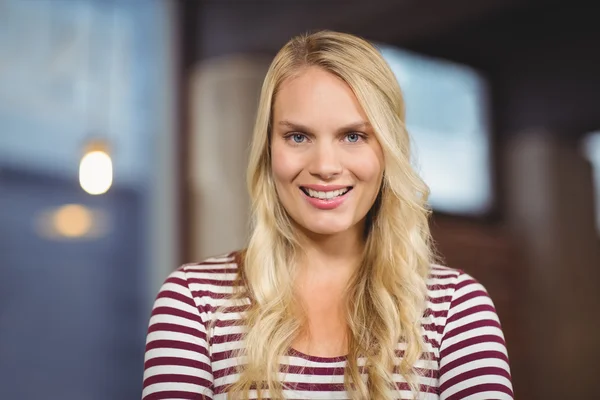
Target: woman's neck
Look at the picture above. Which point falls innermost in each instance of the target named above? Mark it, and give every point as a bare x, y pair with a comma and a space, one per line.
325, 269
327, 253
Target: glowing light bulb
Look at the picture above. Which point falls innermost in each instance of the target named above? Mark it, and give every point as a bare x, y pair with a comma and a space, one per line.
96, 172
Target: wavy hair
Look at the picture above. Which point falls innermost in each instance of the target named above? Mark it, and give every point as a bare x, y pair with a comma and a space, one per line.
388, 290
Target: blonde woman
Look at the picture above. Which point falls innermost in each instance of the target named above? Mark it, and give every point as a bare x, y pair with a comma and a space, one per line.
336, 295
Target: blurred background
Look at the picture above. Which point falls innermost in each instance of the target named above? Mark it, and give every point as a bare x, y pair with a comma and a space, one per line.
124, 128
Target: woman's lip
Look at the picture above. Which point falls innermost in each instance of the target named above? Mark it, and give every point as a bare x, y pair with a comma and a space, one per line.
325, 188
326, 204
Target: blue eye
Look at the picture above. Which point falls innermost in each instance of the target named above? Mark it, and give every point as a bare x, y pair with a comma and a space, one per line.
298, 137
353, 137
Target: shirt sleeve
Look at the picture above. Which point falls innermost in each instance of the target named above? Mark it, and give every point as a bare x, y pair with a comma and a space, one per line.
473, 357
177, 361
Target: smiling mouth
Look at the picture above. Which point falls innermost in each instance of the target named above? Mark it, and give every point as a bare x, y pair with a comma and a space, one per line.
332, 194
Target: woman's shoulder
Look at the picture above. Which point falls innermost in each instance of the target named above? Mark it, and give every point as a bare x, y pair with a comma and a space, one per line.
223, 263
442, 275
211, 279
216, 270
445, 284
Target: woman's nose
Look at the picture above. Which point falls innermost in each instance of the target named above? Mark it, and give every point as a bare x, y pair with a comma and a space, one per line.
325, 162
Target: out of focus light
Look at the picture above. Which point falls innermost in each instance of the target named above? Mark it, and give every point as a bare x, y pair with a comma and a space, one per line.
96, 170
72, 220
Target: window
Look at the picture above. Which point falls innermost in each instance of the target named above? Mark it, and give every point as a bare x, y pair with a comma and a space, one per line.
70, 70
446, 116
591, 148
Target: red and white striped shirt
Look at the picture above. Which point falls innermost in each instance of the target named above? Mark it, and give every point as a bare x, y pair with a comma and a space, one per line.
467, 352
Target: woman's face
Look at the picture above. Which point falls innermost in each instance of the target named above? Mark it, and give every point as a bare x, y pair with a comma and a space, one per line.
326, 161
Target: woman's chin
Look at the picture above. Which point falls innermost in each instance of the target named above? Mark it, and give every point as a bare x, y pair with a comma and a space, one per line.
326, 229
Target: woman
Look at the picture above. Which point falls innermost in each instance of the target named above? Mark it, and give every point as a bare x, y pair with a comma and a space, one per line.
336, 295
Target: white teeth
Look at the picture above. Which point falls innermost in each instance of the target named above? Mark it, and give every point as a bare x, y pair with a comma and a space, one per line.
326, 195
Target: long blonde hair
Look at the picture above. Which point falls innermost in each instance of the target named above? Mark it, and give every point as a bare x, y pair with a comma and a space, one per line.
388, 291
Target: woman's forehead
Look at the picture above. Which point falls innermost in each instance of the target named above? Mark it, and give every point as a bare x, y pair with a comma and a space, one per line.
317, 98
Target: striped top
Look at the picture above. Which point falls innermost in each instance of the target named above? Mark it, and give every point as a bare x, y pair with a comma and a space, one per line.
467, 353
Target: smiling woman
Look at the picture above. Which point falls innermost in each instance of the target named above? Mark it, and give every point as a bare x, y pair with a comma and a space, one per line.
336, 295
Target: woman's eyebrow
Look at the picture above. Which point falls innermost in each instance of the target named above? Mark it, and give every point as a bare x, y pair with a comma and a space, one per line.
355, 126
294, 126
